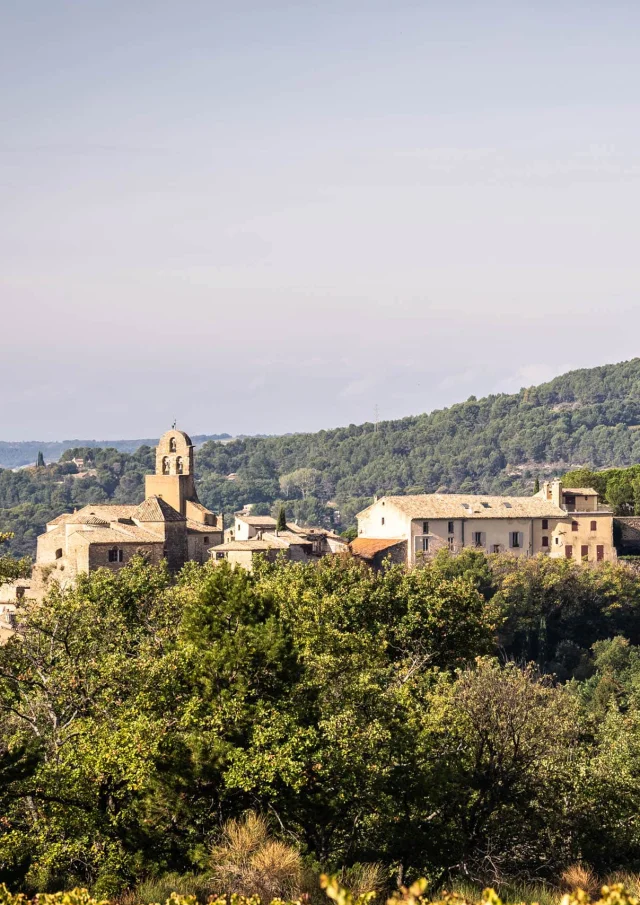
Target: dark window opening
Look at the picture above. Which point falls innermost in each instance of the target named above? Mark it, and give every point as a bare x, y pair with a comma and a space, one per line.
568, 551
584, 551
594, 526
165, 466
59, 553
425, 527
179, 465
172, 445
545, 541
206, 540
451, 527
574, 526
545, 524
115, 555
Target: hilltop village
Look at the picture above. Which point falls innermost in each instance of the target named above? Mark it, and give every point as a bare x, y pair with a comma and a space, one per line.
172, 524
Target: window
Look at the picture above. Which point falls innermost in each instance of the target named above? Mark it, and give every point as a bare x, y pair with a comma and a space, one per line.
451, 527
507, 505
477, 539
165, 465
485, 505
594, 526
115, 555
545, 524
382, 520
206, 540
422, 544
584, 551
220, 555
451, 542
496, 548
557, 540
574, 526
516, 539
599, 552
545, 541
425, 527
179, 467
568, 551
59, 553
172, 445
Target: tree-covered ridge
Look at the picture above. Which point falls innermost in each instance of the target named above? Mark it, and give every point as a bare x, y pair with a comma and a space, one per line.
498, 444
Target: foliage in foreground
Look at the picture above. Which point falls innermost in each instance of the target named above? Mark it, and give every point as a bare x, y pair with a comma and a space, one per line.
372, 718
414, 895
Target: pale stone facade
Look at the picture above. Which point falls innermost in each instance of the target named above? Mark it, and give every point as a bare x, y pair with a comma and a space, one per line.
559, 522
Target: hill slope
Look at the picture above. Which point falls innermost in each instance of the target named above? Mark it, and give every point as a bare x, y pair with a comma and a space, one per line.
500, 443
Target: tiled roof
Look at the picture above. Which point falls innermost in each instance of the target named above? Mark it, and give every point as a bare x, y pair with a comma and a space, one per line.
581, 491
120, 535
287, 537
83, 519
253, 544
463, 505
110, 513
367, 547
257, 521
199, 528
155, 509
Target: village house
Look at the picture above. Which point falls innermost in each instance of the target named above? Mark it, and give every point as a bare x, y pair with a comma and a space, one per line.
559, 522
170, 524
257, 535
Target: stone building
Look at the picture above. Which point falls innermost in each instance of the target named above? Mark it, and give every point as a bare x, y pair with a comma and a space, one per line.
560, 522
253, 536
171, 523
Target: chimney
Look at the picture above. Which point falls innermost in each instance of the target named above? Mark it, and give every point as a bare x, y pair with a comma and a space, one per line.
556, 492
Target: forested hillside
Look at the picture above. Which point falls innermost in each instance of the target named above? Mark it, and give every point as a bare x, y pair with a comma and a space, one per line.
587, 418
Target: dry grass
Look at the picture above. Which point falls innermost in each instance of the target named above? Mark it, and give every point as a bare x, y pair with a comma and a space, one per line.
249, 862
580, 876
360, 879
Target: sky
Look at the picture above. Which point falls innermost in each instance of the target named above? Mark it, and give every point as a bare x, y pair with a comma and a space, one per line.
263, 217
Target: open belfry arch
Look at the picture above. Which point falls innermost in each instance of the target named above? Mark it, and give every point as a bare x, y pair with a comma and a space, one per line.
174, 480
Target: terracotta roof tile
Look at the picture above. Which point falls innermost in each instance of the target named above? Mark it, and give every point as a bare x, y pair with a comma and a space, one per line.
367, 547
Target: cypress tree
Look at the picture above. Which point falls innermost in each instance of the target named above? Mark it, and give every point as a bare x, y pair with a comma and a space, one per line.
282, 520
536, 485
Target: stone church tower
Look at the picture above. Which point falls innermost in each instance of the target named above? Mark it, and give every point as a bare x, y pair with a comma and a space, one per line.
174, 479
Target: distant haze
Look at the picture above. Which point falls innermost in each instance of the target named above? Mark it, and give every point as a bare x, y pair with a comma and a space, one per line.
263, 217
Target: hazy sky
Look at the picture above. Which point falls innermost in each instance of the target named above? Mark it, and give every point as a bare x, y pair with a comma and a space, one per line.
266, 217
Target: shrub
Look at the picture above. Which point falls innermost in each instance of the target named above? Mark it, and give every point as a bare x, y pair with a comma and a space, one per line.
248, 862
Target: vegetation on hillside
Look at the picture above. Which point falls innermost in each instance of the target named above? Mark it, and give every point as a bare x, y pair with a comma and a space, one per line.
501, 444
386, 719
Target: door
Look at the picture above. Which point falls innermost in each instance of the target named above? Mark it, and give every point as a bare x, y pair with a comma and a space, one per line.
600, 553
568, 551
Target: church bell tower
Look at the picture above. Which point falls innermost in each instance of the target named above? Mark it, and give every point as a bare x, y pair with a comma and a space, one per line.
174, 477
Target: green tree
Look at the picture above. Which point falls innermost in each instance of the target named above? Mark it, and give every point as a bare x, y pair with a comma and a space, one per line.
282, 519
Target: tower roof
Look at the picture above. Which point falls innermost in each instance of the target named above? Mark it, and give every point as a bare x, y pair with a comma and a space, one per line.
155, 509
